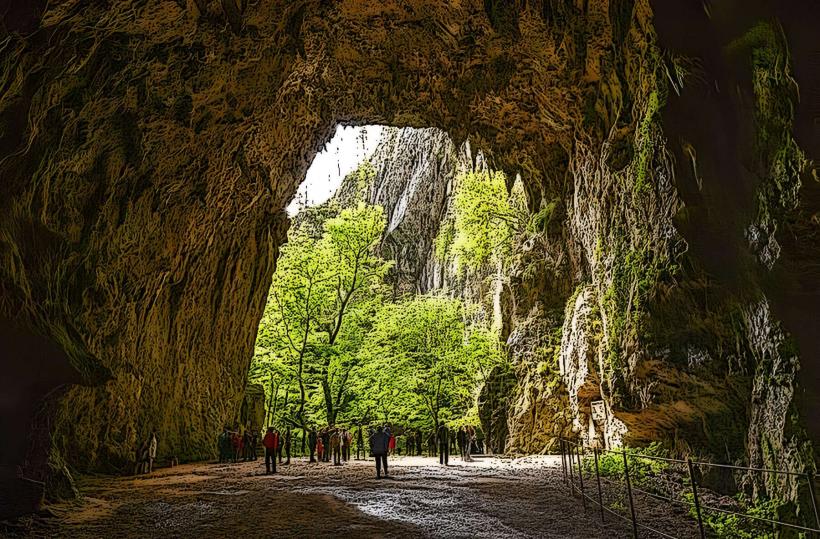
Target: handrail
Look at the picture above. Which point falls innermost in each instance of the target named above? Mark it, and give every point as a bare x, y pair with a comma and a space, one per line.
572, 449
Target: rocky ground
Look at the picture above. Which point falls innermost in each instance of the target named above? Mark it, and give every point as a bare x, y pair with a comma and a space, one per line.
491, 497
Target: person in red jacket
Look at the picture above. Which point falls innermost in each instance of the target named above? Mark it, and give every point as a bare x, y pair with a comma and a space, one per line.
320, 448
271, 443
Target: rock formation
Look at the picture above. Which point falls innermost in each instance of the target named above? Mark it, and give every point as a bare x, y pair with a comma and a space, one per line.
147, 149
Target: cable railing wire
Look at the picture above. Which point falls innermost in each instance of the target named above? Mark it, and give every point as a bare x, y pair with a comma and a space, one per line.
570, 451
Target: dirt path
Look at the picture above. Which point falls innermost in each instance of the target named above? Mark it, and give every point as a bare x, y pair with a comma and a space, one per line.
489, 498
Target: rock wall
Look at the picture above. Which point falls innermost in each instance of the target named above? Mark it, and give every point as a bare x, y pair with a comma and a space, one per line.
411, 174
148, 147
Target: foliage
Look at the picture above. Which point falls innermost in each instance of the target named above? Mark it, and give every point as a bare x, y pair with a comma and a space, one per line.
331, 349
645, 141
487, 219
724, 525
611, 464
421, 364
322, 292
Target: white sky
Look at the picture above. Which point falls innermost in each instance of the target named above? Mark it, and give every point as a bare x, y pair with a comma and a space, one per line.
342, 155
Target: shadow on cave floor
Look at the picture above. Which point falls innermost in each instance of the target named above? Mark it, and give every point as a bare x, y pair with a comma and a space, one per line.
489, 498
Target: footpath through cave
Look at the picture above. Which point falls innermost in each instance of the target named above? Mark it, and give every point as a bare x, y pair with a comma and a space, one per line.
490, 497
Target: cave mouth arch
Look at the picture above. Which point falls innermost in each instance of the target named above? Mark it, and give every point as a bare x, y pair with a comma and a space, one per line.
409, 176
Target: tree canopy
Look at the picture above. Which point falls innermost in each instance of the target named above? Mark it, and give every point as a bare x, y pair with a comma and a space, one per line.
334, 348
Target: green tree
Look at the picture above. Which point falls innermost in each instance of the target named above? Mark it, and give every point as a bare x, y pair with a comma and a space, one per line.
487, 218
321, 286
420, 364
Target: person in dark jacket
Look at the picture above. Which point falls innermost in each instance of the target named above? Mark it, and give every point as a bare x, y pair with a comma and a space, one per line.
312, 444
271, 443
359, 444
443, 445
247, 441
326, 444
379, 442
461, 437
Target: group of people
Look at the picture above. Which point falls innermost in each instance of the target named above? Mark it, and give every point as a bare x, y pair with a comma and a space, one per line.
240, 443
146, 455
328, 444
331, 443
335, 444
464, 439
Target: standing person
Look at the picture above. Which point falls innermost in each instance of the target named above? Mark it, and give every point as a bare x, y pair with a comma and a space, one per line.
225, 447
279, 447
431, 444
468, 443
255, 442
312, 444
343, 442
460, 437
391, 444
359, 443
320, 449
326, 443
271, 443
139, 460
247, 441
336, 447
287, 446
443, 445
379, 442
152, 451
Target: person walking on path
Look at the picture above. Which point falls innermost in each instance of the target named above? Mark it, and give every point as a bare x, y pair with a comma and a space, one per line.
312, 444
152, 451
391, 444
359, 444
247, 441
379, 442
461, 436
336, 447
347, 439
468, 443
141, 456
320, 449
443, 445
326, 443
271, 443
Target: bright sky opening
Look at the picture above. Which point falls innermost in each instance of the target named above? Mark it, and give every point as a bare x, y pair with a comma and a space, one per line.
348, 148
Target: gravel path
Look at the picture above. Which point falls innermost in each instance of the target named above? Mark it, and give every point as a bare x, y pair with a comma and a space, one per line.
491, 497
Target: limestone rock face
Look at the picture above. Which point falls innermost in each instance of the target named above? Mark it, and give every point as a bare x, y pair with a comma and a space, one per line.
147, 150
411, 176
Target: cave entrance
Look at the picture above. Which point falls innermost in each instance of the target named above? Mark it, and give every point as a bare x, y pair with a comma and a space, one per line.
385, 304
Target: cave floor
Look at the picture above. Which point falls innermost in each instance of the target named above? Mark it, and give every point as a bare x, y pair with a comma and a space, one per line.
491, 497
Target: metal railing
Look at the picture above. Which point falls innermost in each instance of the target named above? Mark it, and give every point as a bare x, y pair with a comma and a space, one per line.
573, 465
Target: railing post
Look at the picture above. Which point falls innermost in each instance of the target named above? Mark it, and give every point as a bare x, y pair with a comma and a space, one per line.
598, 479
563, 459
629, 493
813, 499
695, 497
571, 472
581, 477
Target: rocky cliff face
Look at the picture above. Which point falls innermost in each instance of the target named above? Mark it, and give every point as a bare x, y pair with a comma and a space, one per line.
148, 147
411, 174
